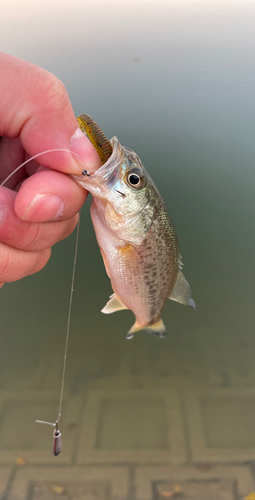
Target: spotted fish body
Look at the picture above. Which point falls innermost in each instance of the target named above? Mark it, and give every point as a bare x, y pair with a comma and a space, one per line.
136, 236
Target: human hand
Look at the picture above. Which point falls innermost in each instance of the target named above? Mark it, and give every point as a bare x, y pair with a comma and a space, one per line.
39, 204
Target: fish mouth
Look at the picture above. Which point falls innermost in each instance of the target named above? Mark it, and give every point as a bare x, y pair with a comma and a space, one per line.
100, 181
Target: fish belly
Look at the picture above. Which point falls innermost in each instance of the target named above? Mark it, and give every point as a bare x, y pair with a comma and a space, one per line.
143, 276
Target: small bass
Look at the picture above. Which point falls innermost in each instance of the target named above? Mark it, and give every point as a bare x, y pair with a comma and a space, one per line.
135, 234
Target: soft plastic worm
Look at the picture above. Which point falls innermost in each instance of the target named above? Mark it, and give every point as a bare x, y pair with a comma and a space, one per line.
96, 136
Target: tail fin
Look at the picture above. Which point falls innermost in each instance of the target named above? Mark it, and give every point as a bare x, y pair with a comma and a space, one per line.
157, 329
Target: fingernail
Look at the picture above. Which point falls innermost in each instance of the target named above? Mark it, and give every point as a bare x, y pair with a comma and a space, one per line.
43, 208
81, 145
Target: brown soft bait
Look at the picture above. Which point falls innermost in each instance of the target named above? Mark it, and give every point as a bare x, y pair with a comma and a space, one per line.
96, 136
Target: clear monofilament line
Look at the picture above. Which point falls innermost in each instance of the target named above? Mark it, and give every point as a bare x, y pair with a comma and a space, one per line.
67, 331
32, 158
68, 321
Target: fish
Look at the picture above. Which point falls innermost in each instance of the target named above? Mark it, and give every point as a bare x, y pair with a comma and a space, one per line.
135, 234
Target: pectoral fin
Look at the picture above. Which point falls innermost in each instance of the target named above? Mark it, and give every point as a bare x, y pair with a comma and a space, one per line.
182, 292
114, 304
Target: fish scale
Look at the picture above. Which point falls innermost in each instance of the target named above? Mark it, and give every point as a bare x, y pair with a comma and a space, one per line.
135, 234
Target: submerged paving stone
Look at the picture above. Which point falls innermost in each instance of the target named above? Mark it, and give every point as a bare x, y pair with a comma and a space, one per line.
70, 483
21, 436
144, 423
66, 491
194, 490
193, 483
221, 424
5, 476
132, 425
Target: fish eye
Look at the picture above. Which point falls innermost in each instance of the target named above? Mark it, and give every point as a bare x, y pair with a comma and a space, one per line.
135, 179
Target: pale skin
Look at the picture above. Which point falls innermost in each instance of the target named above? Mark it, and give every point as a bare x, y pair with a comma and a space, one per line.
40, 205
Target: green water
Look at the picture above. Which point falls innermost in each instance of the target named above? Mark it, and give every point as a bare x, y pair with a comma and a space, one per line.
175, 82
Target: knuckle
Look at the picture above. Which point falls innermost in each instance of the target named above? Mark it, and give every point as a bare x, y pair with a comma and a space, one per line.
26, 239
41, 260
16, 264
31, 237
5, 259
53, 93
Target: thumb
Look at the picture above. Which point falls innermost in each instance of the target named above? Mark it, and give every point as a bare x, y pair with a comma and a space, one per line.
35, 105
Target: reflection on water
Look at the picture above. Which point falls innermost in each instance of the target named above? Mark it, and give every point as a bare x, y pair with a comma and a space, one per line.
174, 81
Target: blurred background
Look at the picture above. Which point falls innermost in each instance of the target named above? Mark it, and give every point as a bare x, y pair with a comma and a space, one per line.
174, 81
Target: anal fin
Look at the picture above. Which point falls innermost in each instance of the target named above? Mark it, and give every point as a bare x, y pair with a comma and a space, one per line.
182, 292
114, 304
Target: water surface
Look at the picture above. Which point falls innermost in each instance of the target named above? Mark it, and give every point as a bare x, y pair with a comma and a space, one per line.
175, 82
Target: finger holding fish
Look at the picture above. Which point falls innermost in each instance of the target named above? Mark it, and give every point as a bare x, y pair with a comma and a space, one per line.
49, 196
26, 235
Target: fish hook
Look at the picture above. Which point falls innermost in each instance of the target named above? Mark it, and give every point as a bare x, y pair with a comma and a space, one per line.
85, 172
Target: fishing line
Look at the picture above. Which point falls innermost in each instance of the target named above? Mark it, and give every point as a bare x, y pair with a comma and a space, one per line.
69, 319
57, 439
57, 443
32, 158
